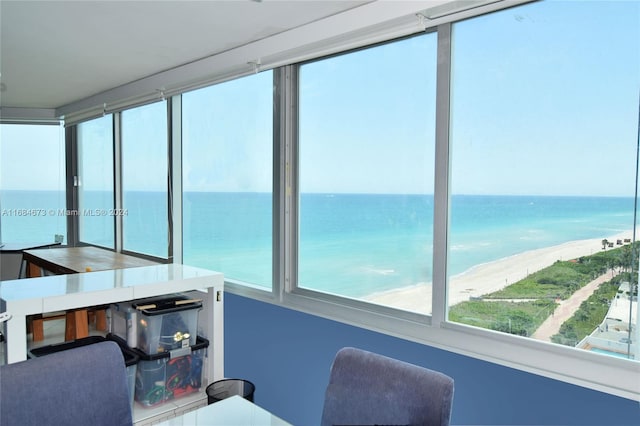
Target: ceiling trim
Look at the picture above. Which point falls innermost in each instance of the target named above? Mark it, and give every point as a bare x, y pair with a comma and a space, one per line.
11, 115
366, 24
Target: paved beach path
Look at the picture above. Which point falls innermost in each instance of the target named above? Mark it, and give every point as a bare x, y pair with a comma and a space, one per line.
568, 307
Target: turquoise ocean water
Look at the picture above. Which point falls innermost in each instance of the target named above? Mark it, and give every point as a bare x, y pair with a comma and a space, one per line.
351, 244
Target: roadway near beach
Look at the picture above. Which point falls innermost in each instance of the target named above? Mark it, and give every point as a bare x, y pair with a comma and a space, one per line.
494, 276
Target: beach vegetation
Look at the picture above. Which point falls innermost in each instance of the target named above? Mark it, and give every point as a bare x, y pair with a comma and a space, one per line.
521, 318
523, 306
563, 278
560, 280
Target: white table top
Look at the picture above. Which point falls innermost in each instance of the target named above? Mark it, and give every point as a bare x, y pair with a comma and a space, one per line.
233, 411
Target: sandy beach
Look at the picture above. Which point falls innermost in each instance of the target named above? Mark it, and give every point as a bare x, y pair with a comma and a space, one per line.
493, 276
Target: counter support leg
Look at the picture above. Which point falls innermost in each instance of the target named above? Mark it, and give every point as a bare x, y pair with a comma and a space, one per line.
16, 339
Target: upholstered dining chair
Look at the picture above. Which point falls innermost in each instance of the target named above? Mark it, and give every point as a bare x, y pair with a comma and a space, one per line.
81, 386
370, 389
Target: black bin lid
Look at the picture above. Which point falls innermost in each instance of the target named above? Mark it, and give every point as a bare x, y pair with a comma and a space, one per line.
166, 304
201, 343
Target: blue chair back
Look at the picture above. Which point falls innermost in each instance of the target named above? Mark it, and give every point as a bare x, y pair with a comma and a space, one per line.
82, 386
370, 389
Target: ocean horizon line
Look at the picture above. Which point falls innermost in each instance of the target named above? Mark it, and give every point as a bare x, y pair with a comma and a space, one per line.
160, 191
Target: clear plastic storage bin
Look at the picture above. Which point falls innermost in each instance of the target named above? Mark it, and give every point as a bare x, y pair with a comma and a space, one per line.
167, 323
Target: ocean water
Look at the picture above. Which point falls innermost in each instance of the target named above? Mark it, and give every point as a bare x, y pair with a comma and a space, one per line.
32, 216
349, 244
356, 245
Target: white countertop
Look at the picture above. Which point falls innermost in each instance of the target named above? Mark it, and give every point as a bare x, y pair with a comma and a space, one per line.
130, 281
71, 291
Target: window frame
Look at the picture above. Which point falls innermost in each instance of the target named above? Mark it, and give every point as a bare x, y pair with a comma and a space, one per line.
120, 189
76, 224
238, 284
304, 298
63, 141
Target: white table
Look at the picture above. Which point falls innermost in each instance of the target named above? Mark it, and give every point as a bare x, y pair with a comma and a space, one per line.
233, 411
24, 297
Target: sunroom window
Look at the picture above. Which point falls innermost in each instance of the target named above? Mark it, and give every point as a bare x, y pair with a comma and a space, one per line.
366, 166
544, 141
227, 178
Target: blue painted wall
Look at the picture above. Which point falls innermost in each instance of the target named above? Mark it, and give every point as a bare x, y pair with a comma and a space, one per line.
288, 354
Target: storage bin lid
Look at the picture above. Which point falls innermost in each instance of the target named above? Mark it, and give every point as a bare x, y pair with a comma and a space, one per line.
201, 343
167, 304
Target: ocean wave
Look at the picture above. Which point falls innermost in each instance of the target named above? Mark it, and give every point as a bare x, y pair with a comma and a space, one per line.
380, 271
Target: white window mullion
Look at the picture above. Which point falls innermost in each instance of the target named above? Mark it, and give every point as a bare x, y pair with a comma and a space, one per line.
441, 190
175, 179
117, 180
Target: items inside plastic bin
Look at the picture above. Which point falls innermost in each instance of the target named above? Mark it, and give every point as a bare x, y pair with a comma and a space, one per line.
162, 377
166, 324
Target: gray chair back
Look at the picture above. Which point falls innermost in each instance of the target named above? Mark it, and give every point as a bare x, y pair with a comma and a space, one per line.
80, 386
370, 389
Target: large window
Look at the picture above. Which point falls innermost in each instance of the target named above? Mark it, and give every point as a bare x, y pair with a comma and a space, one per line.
533, 190
145, 180
95, 182
544, 134
32, 184
366, 170
227, 178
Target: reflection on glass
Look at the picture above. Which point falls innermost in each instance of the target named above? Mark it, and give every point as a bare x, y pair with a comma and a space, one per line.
367, 123
544, 132
145, 180
95, 181
227, 178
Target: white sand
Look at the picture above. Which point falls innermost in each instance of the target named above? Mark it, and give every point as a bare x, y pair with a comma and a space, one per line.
490, 277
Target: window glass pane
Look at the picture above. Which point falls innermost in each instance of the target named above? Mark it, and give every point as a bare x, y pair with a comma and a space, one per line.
544, 131
144, 180
32, 184
95, 182
227, 178
366, 174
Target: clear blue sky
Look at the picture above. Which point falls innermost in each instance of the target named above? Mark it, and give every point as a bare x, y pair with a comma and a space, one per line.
26, 162
227, 136
547, 91
544, 101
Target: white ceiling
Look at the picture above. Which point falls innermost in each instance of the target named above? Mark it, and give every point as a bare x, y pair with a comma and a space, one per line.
78, 55
53, 53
